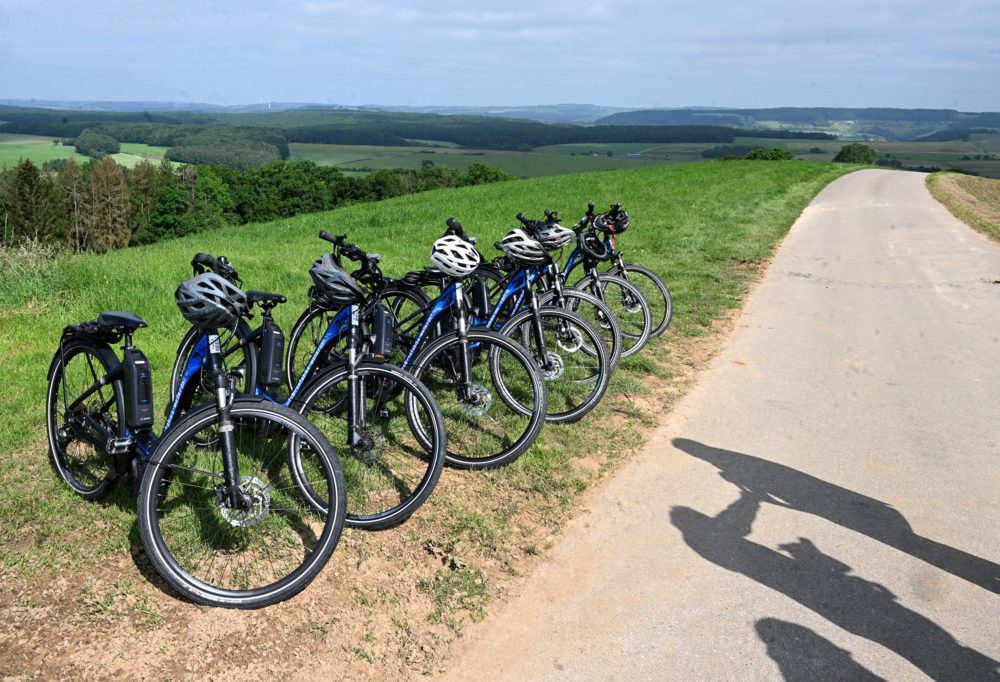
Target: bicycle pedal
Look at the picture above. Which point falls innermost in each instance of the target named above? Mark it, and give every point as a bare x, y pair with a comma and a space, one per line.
120, 446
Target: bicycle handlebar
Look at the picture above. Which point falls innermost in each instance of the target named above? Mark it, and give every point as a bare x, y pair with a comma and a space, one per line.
204, 262
455, 228
201, 261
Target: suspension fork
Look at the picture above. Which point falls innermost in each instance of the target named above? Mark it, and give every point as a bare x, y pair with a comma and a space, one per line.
462, 318
227, 436
355, 391
536, 329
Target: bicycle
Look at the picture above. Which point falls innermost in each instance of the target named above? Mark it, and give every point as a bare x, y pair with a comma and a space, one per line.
489, 389
218, 514
392, 430
569, 350
654, 290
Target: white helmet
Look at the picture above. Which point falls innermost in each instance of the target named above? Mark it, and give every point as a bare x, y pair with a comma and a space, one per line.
554, 236
522, 249
454, 256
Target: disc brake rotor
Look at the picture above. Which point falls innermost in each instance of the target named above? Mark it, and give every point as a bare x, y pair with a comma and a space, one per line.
553, 367
478, 403
372, 449
570, 339
259, 504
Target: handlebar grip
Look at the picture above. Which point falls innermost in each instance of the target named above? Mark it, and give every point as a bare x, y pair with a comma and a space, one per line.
615, 208
590, 207
523, 219
455, 225
201, 261
323, 234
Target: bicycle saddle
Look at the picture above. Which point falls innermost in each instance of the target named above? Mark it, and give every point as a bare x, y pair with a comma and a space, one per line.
263, 296
124, 320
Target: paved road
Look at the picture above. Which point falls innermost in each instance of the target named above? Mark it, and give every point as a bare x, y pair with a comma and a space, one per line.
825, 504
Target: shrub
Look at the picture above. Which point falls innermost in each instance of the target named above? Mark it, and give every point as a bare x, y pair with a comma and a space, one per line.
855, 153
772, 154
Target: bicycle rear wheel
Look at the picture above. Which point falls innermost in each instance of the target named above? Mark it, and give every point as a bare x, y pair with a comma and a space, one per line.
239, 358
307, 333
257, 554
74, 433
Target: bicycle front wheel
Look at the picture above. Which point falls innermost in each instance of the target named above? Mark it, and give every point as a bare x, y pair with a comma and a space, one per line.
392, 449
265, 550
490, 392
654, 290
596, 312
571, 356
627, 303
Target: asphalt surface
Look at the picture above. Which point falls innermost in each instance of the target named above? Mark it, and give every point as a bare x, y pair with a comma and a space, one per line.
825, 503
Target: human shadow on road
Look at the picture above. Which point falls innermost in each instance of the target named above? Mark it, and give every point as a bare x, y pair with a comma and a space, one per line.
786, 487
804, 656
821, 583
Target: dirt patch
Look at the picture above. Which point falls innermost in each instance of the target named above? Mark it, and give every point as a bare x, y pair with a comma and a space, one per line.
973, 200
390, 605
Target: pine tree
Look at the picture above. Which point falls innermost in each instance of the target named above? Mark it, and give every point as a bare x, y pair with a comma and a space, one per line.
108, 207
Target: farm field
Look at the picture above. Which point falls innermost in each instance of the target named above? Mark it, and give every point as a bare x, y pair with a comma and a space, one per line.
542, 162
133, 152
40, 149
390, 604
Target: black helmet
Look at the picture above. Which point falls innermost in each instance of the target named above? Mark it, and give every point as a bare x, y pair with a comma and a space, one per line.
614, 223
333, 284
210, 302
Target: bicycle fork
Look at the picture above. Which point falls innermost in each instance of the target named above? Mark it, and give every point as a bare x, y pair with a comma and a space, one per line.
227, 436
355, 390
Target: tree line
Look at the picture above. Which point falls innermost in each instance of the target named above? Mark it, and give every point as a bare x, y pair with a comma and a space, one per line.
100, 205
247, 140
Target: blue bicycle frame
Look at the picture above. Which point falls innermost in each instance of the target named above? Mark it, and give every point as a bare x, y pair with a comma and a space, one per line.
340, 323
448, 298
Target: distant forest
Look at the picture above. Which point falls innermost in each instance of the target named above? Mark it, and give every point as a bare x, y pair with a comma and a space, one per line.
100, 205
251, 139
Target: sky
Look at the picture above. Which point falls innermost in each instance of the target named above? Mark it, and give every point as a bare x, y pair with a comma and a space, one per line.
622, 53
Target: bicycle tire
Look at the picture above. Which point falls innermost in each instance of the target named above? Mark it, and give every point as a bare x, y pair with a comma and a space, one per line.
374, 476
305, 337
506, 365
245, 368
579, 367
184, 508
88, 471
597, 312
654, 290
628, 305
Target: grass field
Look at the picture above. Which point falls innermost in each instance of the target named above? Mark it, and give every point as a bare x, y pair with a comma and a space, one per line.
392, 602
976, 201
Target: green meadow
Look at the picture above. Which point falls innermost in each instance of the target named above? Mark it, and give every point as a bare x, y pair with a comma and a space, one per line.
698, 225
